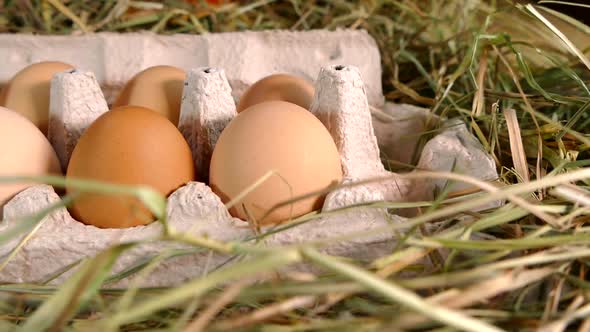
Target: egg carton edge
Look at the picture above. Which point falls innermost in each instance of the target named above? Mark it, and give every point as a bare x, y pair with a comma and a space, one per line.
115, 58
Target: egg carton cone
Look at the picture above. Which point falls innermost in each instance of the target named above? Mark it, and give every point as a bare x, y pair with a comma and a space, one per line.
341, 102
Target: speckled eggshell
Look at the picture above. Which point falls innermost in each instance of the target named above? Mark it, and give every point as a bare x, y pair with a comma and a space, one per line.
158, 88
278, 136
285, 87
24, 150
28, 91
128, 145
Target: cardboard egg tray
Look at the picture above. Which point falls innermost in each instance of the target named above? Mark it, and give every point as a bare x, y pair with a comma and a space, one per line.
345, 66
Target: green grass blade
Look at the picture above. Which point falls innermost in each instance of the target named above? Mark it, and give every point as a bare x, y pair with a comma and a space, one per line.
400, 295
56, 312
199, 286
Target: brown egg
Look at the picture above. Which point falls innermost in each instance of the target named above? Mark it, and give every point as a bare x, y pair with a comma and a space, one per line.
24, 150
279, 136
128, 145
158, 88
28, 91
283, 87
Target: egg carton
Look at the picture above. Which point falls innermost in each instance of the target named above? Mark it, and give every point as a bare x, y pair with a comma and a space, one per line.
208, 104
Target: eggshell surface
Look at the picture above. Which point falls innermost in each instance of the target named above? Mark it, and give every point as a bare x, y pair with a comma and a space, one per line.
277, 136
133, 146
24, 150
158, 88
28, 92
284, 87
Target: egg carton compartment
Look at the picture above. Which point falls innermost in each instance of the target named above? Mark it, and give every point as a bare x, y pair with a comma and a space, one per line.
342, 105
